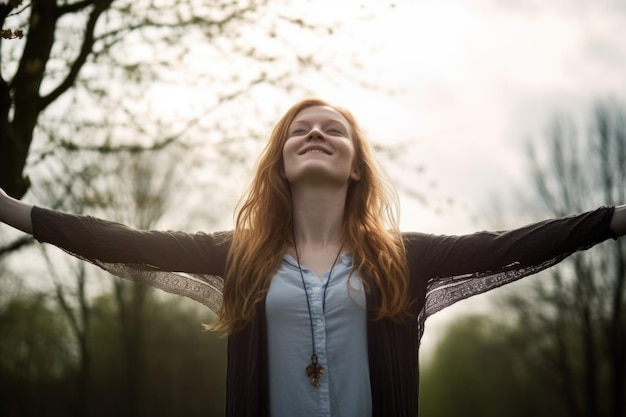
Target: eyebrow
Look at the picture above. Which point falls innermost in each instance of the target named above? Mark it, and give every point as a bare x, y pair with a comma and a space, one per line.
328, 121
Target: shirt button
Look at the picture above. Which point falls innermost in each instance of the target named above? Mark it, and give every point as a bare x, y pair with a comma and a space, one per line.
316, 289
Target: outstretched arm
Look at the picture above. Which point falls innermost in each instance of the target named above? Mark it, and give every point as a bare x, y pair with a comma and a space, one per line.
531, 247
145, 257
618, 222
458, 267
99, 240
15, 213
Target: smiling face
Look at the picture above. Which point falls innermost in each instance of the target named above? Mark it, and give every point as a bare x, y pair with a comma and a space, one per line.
319, 148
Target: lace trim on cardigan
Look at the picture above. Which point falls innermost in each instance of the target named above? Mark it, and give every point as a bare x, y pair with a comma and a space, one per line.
205, 289
443, 292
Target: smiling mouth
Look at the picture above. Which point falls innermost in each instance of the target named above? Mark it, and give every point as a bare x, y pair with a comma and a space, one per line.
315, 150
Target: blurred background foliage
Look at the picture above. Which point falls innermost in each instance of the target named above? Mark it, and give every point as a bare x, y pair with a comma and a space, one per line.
181, 367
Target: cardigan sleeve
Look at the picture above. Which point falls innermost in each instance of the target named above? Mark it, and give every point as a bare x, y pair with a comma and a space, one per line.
453, 268
186, 264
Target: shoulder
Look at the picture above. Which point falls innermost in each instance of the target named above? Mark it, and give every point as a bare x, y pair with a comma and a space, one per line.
414, 240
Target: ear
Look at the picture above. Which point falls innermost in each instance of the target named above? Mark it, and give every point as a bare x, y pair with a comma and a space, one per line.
355, 175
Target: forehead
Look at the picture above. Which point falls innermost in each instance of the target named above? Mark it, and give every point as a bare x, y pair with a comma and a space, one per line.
318, 114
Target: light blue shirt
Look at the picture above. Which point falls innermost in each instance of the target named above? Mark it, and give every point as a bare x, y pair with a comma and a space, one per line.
340, 338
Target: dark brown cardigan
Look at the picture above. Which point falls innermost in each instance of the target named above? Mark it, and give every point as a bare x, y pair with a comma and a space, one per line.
442, 269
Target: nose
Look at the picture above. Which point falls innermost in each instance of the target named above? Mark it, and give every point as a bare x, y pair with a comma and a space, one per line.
315, 133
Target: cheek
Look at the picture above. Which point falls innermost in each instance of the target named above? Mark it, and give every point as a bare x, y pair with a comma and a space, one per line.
286, 149
289, 146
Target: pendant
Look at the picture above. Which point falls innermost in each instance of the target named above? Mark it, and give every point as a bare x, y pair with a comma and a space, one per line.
315, 371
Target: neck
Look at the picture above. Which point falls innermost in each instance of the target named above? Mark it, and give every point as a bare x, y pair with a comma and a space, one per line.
318, 216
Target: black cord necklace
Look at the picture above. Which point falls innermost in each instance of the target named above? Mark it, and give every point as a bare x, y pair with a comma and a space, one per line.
314, 370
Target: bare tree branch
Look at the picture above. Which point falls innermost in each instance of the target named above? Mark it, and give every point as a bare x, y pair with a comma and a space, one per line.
85, 50
15, 245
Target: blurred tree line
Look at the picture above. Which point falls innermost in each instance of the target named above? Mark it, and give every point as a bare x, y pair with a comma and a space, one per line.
557, 344
182, 368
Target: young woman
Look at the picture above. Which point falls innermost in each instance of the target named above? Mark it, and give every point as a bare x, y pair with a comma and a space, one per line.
322, 297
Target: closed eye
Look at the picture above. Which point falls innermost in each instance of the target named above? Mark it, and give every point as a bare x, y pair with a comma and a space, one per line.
335, 132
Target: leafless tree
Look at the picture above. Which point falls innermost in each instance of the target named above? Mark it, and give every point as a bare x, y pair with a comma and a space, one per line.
85, 64
576, 318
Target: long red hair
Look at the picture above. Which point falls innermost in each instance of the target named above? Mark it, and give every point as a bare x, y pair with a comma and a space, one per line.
264, 225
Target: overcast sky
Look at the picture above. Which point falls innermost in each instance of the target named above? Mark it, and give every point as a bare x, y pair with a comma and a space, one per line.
477, 78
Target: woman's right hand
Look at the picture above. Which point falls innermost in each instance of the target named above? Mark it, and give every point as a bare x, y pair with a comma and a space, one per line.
15, 213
